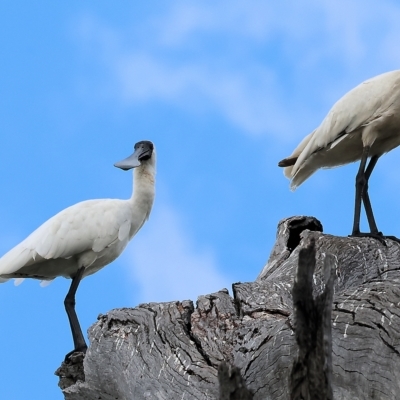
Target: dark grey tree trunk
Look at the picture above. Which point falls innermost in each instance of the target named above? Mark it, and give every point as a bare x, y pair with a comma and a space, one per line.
173, 350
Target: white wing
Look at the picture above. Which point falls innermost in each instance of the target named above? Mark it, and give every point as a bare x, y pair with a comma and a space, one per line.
362, 105
89, 225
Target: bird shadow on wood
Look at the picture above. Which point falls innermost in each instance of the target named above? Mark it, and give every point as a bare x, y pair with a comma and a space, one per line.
311, 376
231, 384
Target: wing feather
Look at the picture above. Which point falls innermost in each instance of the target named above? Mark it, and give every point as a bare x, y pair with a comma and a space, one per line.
123, 231
89, 225
363, 104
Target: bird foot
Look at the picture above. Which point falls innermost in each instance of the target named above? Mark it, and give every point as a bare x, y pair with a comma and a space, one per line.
378, 236
76, 352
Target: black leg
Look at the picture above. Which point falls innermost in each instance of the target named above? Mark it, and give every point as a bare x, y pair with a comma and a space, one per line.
360, 185
69, 302
362, 195
365, 196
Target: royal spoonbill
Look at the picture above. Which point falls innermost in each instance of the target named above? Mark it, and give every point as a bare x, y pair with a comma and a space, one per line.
364, 123
85, 237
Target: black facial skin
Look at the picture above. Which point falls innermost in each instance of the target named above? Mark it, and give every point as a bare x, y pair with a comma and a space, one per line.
146, 149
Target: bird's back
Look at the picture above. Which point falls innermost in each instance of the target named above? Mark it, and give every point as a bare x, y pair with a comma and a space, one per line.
338, 139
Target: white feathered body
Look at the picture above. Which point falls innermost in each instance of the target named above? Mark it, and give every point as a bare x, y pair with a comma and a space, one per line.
92, 234
368, 115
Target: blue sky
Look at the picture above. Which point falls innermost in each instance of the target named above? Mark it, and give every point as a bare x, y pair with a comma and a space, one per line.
225, 89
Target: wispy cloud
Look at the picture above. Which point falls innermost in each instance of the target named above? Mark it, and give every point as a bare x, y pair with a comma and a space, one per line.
242, 59
246, 102
207, 77
165, 263
238, 18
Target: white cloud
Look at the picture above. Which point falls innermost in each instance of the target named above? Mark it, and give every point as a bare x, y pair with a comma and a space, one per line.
244, 95
247, 100
237, 58
336, 28
165, 263
239, 18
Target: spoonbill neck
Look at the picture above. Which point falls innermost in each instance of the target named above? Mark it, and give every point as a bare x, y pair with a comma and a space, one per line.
143, 188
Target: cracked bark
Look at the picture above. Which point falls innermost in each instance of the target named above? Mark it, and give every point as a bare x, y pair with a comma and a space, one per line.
173, 350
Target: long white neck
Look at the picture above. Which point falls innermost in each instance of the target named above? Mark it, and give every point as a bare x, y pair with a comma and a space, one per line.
143, 189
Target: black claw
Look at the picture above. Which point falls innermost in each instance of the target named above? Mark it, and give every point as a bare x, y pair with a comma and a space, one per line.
378, 236
394, 238
80, 350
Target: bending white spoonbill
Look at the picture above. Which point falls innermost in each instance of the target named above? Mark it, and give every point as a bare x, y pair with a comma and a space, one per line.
85, 237
364, 123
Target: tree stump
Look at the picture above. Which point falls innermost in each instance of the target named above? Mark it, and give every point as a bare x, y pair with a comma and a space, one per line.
173, 350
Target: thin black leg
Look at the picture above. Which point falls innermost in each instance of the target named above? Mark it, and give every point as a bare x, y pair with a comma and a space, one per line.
365, 196
370, 216
367, 203
362, 195
69, 302
360, 184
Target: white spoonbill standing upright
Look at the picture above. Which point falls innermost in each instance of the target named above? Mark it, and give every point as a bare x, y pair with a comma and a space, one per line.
85, 237
364, 123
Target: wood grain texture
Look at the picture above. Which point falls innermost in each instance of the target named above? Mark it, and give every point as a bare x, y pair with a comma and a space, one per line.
173, 350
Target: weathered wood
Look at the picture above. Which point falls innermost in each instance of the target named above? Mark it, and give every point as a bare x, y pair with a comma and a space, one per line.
311, 377
173, 350
72, 371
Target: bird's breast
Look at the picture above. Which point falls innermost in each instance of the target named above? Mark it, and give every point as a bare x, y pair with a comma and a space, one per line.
106, 256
